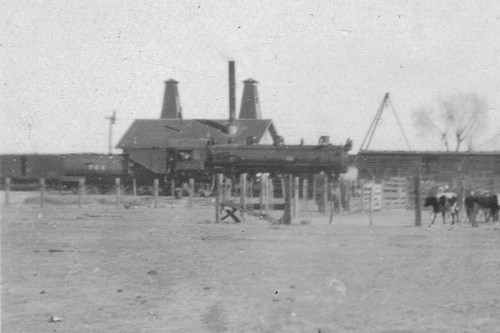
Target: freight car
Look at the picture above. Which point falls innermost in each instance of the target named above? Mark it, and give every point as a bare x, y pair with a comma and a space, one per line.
62, 172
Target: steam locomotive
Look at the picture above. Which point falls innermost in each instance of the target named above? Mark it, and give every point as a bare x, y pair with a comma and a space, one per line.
199, 160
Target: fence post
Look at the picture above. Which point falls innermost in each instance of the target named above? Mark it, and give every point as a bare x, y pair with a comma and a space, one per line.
348, 199
251, 190
325, 193
305, 194
418, 208
156, 183
296, 182
266, 193
118, 194
81, 189
134, 189
370, 200
271, 193
333, 194
261, 194
42, 191
191, 192
243, 193
227, 189
7, 191
315, 188
172, 190
462, 201
218, 196
287, 213
340, 183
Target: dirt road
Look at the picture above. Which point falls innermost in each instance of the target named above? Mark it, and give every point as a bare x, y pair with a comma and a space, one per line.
171, 269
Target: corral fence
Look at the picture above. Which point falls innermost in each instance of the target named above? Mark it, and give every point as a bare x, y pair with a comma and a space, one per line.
118, 194
283, 199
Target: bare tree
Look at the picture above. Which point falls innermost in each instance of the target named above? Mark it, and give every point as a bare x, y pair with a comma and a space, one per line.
455, 120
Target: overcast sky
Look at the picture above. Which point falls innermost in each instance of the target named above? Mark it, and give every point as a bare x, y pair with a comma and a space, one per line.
323, 66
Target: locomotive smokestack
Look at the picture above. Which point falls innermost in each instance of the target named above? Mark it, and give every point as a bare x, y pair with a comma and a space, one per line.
250, 105
171, 102
232, 99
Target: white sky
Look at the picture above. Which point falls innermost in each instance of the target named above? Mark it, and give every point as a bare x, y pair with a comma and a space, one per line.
323, 66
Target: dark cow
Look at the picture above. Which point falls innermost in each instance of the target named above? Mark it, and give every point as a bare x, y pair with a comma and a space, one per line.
443, 203
475, 203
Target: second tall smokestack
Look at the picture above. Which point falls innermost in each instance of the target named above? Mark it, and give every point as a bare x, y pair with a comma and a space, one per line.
232, 93
232, 129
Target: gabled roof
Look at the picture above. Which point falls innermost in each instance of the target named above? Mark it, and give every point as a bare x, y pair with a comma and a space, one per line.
164, 133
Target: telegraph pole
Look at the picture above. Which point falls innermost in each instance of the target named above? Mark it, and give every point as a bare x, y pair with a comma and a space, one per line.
112, 121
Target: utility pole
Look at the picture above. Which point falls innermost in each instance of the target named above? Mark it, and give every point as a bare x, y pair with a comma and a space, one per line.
112, 121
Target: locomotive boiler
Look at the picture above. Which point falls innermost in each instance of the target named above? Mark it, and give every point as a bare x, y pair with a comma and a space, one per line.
277, 159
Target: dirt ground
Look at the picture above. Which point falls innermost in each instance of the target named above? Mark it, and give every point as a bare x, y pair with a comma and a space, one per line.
172, 269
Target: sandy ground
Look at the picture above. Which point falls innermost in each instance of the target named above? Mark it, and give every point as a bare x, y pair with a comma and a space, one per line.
172, 269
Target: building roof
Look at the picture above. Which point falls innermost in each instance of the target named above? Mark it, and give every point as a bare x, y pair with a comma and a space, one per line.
168, 133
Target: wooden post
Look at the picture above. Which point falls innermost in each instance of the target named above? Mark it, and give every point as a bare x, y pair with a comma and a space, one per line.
271, 193
315, 188
250, 193
227, 189
463, 209
296, 202
42, 192
243, 193
370, 201
266, 193
418, 203
305, 194
7, 191
261, 195
118, 194
134, 189
156, 182
325, 193
191, 192
81, 189
340, 183
218, 196
348, 199
287, 213
172, 190
331, 202
283, 187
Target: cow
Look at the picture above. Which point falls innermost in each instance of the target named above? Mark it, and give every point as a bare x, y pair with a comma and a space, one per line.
488, 204
443, 203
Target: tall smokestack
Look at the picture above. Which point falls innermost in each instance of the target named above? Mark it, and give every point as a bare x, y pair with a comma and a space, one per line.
232, 129
250, 105
171, 102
